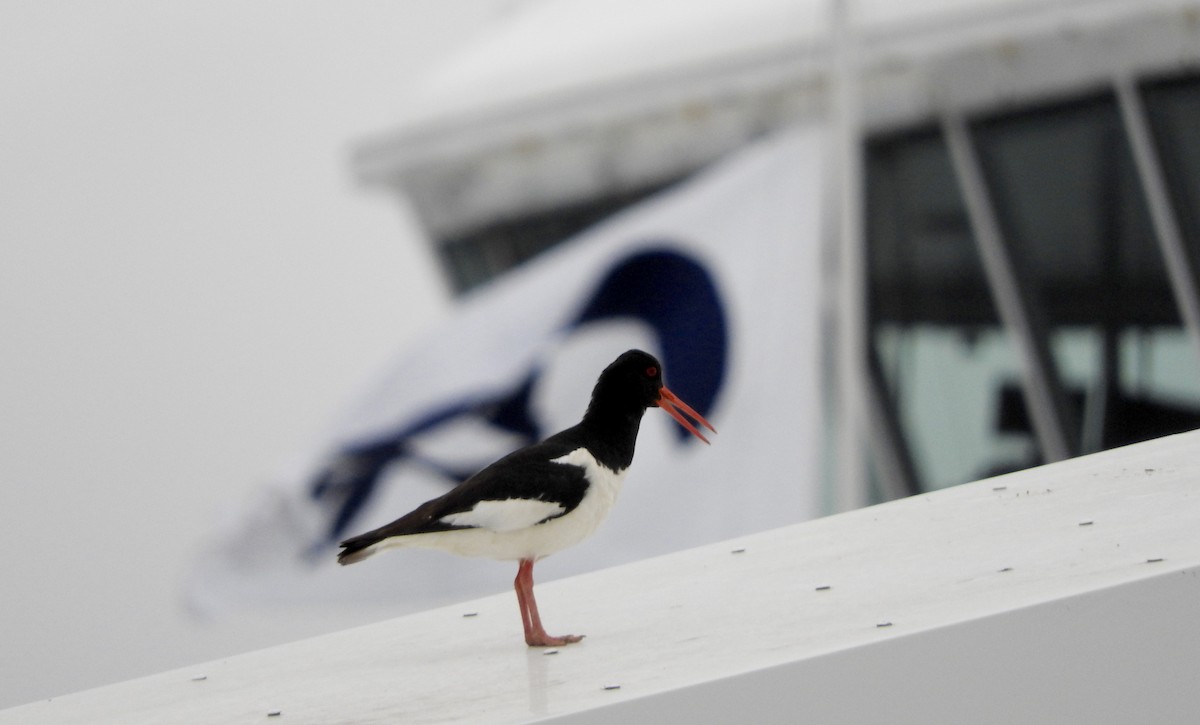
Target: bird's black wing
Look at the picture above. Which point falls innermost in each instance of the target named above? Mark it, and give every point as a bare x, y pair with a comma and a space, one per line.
527, 475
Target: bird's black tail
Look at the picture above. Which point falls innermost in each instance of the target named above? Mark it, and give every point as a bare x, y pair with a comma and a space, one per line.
358, 547
420, 520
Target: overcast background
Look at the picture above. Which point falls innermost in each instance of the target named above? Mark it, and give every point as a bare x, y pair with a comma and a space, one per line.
191, 285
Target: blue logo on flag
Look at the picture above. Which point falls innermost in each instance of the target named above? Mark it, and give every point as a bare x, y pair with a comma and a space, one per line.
662, 287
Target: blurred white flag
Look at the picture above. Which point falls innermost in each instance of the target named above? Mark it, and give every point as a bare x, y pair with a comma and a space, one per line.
719, 277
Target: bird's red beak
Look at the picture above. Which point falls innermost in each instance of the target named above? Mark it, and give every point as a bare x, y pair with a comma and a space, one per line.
676, 408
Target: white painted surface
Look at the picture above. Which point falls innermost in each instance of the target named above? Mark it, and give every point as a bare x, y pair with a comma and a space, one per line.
1026, 598
544, 53
540, 113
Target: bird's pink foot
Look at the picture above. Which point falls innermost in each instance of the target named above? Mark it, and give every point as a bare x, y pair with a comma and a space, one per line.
544, 640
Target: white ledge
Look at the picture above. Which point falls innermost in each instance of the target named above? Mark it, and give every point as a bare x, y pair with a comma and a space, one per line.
1065, 593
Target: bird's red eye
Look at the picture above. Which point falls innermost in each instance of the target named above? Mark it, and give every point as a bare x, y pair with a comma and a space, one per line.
651, 371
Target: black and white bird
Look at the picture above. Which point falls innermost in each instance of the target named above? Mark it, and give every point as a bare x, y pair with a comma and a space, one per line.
543, 498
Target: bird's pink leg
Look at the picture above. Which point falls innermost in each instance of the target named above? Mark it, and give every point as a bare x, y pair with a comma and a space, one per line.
522, 602
535, 634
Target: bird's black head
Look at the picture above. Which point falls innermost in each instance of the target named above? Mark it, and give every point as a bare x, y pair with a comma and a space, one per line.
634, 379
634, 382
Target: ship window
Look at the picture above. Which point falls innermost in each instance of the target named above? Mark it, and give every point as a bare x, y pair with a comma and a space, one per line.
474, 257
1073, 219
935, 334
1173, 108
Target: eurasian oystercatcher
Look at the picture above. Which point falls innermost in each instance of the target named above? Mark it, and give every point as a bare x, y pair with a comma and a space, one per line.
545, 497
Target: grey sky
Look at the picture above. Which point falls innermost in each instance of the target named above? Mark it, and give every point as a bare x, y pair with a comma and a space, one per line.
191, 286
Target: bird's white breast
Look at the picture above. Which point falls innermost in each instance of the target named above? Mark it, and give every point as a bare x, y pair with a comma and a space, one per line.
604, 485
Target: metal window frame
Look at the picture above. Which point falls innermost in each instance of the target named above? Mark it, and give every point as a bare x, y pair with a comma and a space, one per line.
1180, 270
1045, 398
